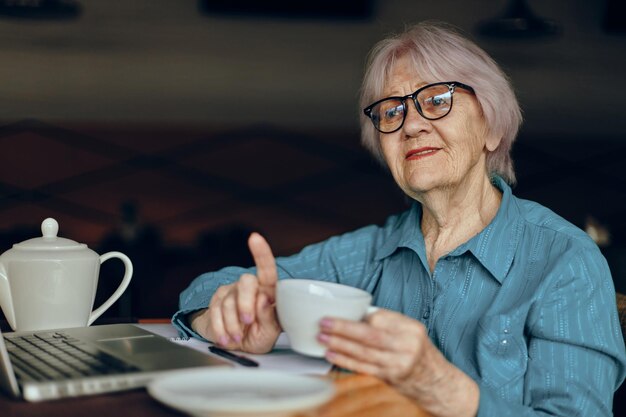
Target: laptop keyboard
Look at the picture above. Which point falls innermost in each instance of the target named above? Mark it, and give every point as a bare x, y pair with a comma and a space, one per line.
55, 355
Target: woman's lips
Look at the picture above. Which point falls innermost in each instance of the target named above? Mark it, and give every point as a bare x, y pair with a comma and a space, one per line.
420, 153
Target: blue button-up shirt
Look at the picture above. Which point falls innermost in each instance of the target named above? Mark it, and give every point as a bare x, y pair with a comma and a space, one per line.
526, 307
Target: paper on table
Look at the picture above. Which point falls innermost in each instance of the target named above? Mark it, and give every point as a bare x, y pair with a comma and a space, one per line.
281, 358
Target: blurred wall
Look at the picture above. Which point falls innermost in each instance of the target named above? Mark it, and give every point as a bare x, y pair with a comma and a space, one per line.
151, 127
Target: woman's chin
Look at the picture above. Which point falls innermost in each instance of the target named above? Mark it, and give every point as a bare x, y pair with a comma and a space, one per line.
422, 187
424, 181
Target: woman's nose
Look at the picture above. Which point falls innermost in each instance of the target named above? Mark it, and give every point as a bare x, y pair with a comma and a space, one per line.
414, 121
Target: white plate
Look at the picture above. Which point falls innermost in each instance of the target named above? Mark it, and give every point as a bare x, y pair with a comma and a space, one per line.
221, 392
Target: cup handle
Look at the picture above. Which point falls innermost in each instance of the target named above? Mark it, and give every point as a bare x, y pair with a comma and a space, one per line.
371, 310
128, 266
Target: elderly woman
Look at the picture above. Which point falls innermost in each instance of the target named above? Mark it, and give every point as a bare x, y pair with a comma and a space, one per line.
500, 307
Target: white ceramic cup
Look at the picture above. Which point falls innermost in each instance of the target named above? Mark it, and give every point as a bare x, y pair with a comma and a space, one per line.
302, 303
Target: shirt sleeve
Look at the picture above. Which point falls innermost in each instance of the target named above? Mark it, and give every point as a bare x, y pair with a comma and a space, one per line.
343, 259
576, 356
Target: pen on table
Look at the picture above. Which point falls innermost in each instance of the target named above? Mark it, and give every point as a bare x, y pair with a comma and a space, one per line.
241, 360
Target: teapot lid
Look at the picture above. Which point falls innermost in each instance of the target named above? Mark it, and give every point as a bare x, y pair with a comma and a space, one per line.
49, 240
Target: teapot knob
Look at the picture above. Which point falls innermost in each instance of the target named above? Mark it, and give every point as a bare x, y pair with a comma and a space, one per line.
49, 228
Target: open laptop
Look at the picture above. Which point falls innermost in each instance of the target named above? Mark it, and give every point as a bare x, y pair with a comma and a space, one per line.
52, 364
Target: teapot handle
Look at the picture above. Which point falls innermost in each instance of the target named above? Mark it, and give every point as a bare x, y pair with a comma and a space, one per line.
128, 265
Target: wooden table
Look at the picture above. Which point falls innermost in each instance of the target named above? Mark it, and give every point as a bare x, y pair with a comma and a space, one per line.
357, 396
366, 396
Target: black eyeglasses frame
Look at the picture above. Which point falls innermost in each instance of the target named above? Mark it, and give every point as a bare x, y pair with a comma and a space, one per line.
450, 84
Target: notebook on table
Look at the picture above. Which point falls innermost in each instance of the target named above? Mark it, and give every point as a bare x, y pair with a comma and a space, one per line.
53, 364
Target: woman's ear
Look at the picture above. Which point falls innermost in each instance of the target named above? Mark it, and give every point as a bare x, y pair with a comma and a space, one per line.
492, 141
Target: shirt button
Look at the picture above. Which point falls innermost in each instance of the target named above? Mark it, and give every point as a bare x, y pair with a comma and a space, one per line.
426, 314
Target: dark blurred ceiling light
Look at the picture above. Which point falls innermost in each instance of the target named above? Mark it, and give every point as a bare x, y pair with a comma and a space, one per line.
40, 9
293, 9
519, 21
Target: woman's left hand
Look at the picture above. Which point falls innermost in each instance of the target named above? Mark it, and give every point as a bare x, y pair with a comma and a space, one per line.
386, 344
397, 349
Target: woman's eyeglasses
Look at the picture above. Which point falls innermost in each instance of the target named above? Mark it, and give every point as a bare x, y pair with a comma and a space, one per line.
433, 101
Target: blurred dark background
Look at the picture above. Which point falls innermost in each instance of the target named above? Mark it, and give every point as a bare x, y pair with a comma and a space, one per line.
169, 130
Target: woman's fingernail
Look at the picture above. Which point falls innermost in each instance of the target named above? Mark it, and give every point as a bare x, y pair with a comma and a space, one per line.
237, 338
247, 318
330, 355
223, 340
326, 323
323, 338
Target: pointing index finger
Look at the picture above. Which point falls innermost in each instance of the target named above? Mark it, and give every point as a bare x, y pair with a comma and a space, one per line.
263, 259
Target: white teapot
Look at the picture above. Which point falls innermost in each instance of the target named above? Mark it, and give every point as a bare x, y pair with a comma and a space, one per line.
50, 282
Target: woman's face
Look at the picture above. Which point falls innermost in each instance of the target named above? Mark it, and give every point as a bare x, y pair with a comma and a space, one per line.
426, 155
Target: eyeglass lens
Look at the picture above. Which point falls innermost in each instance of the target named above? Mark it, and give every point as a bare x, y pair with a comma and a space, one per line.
432, 103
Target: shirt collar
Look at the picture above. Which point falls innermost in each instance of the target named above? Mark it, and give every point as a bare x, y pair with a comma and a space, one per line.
494, 247
407, 234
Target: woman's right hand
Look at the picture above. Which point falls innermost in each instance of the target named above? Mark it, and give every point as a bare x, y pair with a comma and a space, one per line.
242, 315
